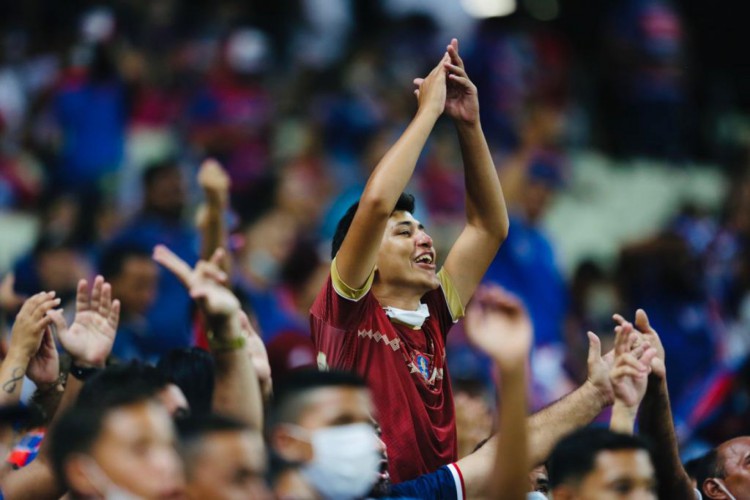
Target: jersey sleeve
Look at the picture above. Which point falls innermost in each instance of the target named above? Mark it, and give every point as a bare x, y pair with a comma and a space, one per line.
446, 483
334, 316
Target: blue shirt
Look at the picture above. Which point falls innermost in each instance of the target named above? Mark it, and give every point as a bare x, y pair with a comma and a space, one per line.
445, 483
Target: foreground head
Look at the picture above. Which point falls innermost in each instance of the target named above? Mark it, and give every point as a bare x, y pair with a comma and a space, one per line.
191, 369
106, 388
224, 459
406, 257
126, 448
323, 423
600, 464
725, 471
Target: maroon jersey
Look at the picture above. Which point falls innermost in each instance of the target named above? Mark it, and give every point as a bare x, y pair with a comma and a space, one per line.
404, 367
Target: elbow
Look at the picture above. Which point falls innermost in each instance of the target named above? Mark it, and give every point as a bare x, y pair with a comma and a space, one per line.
375, 204
503, 230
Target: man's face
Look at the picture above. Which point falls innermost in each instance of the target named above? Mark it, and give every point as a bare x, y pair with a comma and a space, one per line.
166, 194
619, 475
136, 451
230, 465
735, 457
136, 285
406, 257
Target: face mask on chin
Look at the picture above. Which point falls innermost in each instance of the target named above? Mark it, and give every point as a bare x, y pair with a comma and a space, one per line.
345, 460
105, 487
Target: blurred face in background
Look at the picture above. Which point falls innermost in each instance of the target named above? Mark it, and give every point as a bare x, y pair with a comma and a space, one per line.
537, 198
231, 465
165, 195
136, 285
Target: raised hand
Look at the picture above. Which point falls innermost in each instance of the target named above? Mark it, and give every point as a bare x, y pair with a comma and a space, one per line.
647, 334
462, 102
256, 350
215, 182
431, 91
599, 367
90, 338
30, 324
44, 367
205, 283
497, 323
629, 376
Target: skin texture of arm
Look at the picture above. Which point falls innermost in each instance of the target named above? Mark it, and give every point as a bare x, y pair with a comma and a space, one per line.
498, 324
358, 253
89, 341
211, 223
486, 214
656, 420
237, 390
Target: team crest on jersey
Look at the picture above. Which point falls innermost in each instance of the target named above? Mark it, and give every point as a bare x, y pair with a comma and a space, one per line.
423, 366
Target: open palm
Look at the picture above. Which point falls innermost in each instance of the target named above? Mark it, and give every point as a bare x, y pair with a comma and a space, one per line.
90, 338
629, 375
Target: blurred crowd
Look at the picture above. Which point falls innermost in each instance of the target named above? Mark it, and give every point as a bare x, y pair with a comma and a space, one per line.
108, 113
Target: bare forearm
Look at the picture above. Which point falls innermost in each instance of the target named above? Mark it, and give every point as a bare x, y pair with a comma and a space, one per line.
485, 204
656, 422
511, 456
395, 169
623, 418
12, 374
238, 392
547, 426
213, 233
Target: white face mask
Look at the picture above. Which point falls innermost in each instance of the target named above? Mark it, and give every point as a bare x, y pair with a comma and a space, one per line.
536, 495
104, 485
345, 461
414, 319
724, 489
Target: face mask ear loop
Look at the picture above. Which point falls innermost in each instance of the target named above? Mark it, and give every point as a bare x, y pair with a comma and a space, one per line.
724, 489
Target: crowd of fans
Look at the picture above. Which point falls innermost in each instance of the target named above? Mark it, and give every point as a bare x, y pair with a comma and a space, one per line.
205, 312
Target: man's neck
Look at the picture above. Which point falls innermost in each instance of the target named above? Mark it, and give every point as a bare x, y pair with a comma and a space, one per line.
391, 296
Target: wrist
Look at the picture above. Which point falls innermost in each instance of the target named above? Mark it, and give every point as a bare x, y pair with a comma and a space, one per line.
429, 112
620, 407
604, 397
82, 363
470, 126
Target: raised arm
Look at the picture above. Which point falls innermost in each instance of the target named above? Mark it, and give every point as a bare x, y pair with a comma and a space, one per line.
656, 418
211, 214
498, 324
89, 342
356, 257
486, 214
26, 338
575, 410
629, 378
238, 391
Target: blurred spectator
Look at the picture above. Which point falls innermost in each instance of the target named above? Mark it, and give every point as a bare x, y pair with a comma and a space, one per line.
160, 222
646, 79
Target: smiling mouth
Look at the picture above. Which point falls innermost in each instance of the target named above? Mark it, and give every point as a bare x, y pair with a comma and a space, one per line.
425, 258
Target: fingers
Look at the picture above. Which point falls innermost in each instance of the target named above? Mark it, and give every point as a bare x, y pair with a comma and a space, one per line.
619, 319
455, 71
106, 300
82, 296
453, 52
641, 321
217, 258
595, 347
114, 315
418, 81
210, 270
174, 264
58, 322
96, 293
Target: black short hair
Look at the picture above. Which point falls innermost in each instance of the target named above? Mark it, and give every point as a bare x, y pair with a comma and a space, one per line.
156, 169
76, 431
289, 398
118, 385
192, 369
710, 466
694, 465
194, 429
405, 203
113, 258
574, 456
